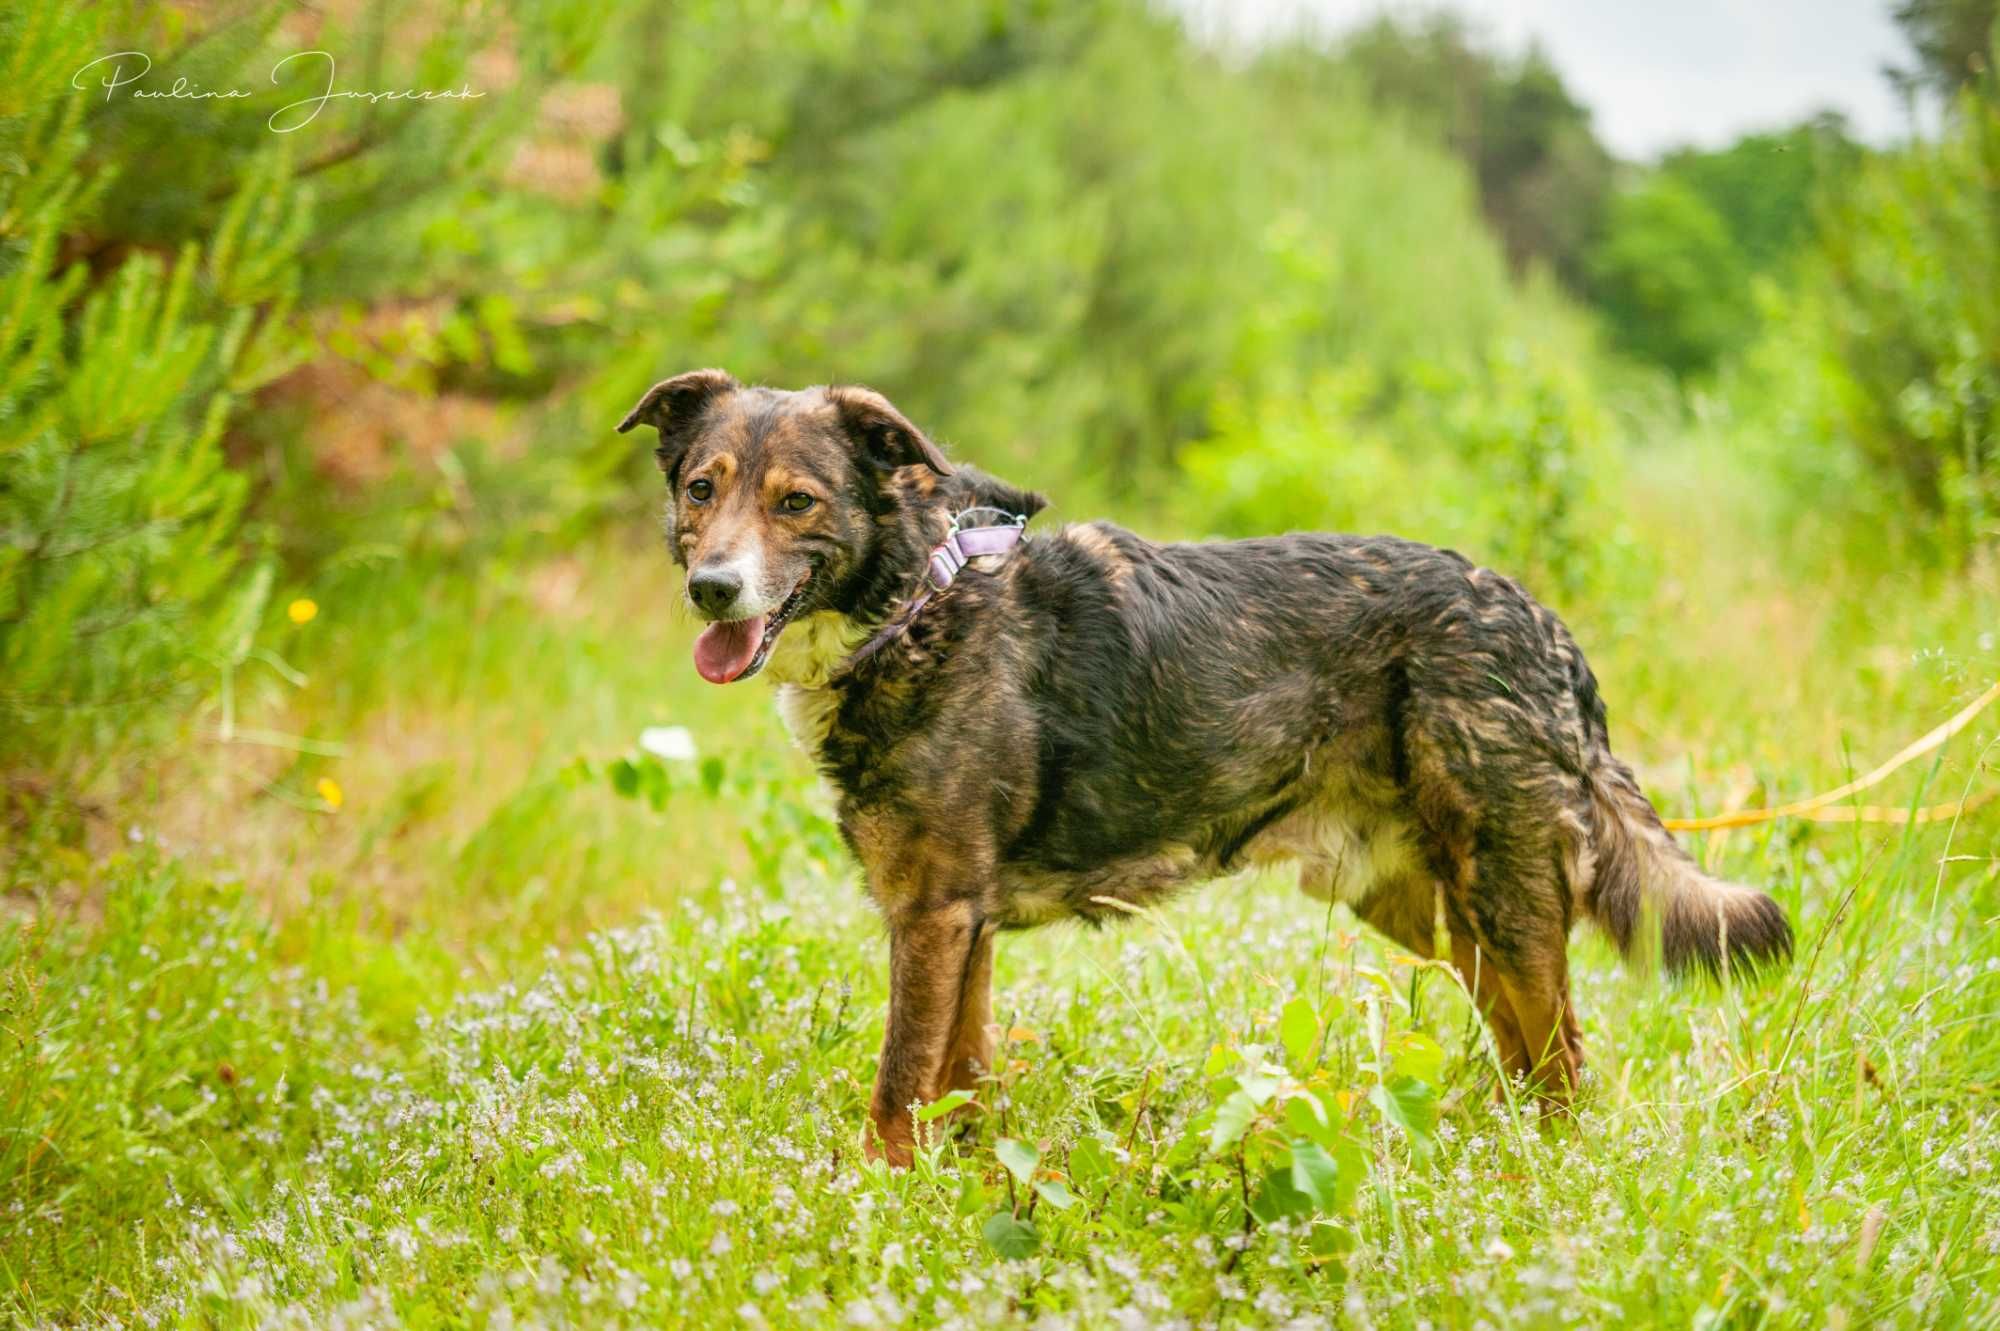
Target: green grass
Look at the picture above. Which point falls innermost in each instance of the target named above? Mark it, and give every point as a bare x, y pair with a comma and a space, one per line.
494, 1040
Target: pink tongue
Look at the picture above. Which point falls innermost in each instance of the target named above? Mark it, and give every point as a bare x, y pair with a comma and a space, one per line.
724, 651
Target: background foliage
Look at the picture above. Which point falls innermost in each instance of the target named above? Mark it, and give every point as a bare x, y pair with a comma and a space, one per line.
356, 327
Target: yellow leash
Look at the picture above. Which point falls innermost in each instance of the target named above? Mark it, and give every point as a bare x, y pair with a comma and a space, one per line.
1827, 808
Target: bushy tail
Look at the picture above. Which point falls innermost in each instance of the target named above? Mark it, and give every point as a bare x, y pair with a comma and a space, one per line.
1643, 881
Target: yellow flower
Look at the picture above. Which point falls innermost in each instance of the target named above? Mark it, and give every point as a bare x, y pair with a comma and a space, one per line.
301, 610
329, 790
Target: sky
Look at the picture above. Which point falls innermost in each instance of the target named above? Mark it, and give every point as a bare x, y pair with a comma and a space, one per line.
1660, 75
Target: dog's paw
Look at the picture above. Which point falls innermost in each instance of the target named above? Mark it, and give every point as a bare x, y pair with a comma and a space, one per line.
890, 1142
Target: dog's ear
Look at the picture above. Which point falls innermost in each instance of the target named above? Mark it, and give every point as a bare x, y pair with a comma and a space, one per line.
883, 434
674, 407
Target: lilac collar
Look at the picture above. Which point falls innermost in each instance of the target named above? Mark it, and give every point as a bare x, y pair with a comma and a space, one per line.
948, 559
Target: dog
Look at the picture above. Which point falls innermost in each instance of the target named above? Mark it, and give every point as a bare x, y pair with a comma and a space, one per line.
1071, 724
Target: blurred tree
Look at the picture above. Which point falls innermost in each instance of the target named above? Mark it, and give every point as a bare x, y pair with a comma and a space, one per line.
1764, 186
1897, 319
1684, 243
1064, 231
1953, 40
1543, 177
159, 259
1547, 186
1668, 277
121, 576
1084, 218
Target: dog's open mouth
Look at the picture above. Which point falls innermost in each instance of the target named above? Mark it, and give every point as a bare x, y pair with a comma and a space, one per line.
730, 650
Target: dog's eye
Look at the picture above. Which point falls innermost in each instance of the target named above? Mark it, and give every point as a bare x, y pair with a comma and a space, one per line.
701, 491
798, 501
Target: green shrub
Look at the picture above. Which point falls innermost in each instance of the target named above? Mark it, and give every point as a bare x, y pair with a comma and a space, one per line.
162, 262
1495, 462
122, 579
1543, 178
1891, 351
1670, 279
1046, 296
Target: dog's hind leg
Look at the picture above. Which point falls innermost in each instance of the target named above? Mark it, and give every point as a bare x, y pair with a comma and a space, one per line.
1539, 995
1407, 916
1572, 1033
1499, 818
1515, 917
1483, 983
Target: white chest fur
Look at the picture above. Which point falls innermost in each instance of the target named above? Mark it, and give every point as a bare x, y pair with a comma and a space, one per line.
801, 664
808, 714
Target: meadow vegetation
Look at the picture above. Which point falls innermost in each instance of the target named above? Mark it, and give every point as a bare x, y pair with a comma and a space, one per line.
360, 965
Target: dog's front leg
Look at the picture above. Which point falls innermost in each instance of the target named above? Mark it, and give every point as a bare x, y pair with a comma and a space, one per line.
971, 1054
932, 955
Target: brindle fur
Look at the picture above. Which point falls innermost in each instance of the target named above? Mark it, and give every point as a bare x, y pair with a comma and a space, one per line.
1097, 720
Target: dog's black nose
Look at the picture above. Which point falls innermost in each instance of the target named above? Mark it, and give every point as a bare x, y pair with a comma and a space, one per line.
715, 589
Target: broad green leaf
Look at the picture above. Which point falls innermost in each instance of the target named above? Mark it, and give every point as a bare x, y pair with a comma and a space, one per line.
1056, 1194
1277, 1198
1019, 1157
1012, 1239
1090, 1160
971, 1193
1232, 1117
1298, 1031
1353, 1161
1378, 979
1330, 1242
1417, 1055
943, 1105
1318, 1176
1305, 1115
625, 777
1260, 1084
1186, 1150
1411, 1105
655, 782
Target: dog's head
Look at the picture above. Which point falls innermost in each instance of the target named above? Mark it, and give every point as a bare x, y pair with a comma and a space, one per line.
786, 504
